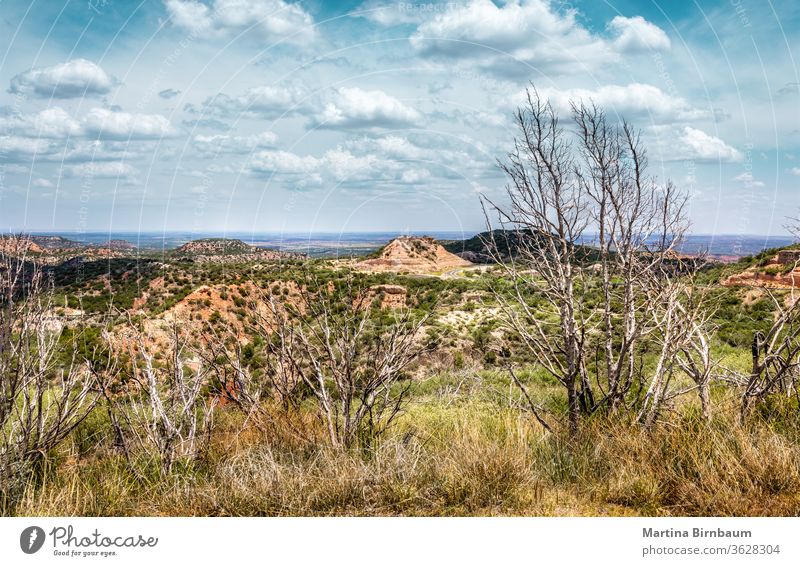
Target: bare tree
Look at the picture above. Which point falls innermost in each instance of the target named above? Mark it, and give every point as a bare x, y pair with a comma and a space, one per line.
775, 353
681, 331
273, 381
46, 388
165, 413
549, 214
639, 225
694, 356
349, 356
561, 185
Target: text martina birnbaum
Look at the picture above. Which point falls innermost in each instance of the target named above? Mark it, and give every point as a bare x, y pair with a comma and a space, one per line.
649, 532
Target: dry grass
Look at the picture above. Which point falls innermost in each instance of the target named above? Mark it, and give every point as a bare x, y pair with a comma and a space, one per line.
454, 453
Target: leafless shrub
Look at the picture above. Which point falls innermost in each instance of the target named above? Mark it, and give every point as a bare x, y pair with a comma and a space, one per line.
682, 334
269, 394
562, 185
46, 388
775, 354
165, 414
350, 354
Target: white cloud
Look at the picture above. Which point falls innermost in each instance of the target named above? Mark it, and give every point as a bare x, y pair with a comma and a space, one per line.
706, 147
168, 93
103, 170
672, 143
13, 148
413, 176
368, 160
260, 101
55, 123
42, 183
353, 107
268, 20
96, 150
637, 34
209, 145
338, 164
398, 13
521, 37
72, 79
795, 171
391, 147
635, 100
101, 123
531, 33
447, 156
98, 123
283, 162
748, 181
52, 122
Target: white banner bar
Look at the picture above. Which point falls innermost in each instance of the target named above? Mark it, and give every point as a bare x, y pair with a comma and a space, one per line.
399, 541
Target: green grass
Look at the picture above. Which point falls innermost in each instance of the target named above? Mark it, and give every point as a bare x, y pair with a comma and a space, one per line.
463, 447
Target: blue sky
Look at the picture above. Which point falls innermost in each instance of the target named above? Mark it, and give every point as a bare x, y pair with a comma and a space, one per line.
267, 115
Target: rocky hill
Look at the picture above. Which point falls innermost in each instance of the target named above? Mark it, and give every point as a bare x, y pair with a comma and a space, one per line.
54, 242
18, 247
118, 245
413, 255
215, 246
775, 268
486, 246
224, 250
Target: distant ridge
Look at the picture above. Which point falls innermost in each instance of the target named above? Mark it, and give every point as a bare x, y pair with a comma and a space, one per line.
223, 250
215, 246
413, 255
487, 246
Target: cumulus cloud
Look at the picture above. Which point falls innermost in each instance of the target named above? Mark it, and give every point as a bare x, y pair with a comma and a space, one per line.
168, 93
637, 34
353, 107
261, 101
524, 36
217, 144
268, 20
344, 108
101, 123
98, 123
444, 156
674, 143
21, 149
632, 101
368, 160
530, 33
14, 148
795, 171
413, 176
42, 183
397, 13
283, 162
102, 170
706, 147
748, 181
52, 122
72, 79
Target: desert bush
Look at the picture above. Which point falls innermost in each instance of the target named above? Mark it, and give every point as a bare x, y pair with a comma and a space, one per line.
163, 415
46, 387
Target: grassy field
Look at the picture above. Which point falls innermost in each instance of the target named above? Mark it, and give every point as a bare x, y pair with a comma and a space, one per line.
464, 447
465, 442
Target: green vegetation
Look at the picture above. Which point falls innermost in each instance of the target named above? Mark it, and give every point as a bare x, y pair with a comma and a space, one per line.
464, 443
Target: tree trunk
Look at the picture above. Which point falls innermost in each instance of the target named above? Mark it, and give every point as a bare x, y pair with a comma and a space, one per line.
574, 409
705, 400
